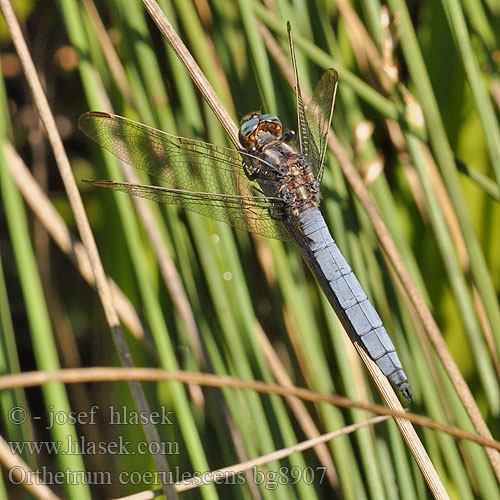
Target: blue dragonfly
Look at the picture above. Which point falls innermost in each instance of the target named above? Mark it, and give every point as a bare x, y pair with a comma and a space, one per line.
270, 186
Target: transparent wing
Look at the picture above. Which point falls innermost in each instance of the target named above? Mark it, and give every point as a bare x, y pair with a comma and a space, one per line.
314, 120
186, 164
305, 142
319, 112
257, 214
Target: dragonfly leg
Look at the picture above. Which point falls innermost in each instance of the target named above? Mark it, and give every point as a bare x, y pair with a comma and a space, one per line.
250, 171
275, 215
288, 135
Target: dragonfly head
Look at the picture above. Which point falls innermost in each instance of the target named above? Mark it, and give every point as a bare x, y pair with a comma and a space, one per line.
256, 124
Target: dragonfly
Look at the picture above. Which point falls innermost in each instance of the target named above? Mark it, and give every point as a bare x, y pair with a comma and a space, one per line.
269, 186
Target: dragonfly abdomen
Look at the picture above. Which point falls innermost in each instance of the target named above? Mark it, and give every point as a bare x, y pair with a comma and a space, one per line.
349, 300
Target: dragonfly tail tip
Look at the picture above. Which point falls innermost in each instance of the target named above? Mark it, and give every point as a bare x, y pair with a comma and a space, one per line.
405, 390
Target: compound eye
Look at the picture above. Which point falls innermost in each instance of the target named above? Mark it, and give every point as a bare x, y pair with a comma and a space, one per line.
271, 119
247, 132
271, 124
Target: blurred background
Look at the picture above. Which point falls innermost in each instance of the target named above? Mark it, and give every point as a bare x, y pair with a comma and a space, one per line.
417, 114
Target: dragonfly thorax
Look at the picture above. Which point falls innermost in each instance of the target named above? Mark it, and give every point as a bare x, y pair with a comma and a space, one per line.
255, 124
299, 187
294, 183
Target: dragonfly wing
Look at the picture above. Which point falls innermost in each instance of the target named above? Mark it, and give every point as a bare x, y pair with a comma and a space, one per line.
314, 120
319, 112
257, 214
304, 140
186, 164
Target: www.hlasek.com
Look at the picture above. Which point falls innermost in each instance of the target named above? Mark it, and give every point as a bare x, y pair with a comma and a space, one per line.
267, 479
80, 446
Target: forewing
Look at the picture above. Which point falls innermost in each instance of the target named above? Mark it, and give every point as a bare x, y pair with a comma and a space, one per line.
186, 164
304, 140
319, 114
314, 120
257, 214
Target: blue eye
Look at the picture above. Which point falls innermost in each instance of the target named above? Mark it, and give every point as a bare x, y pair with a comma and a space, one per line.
247, 129
271, 124
255, 124
271, 119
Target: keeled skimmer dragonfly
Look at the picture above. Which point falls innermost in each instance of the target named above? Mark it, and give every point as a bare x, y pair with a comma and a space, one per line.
270, 187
